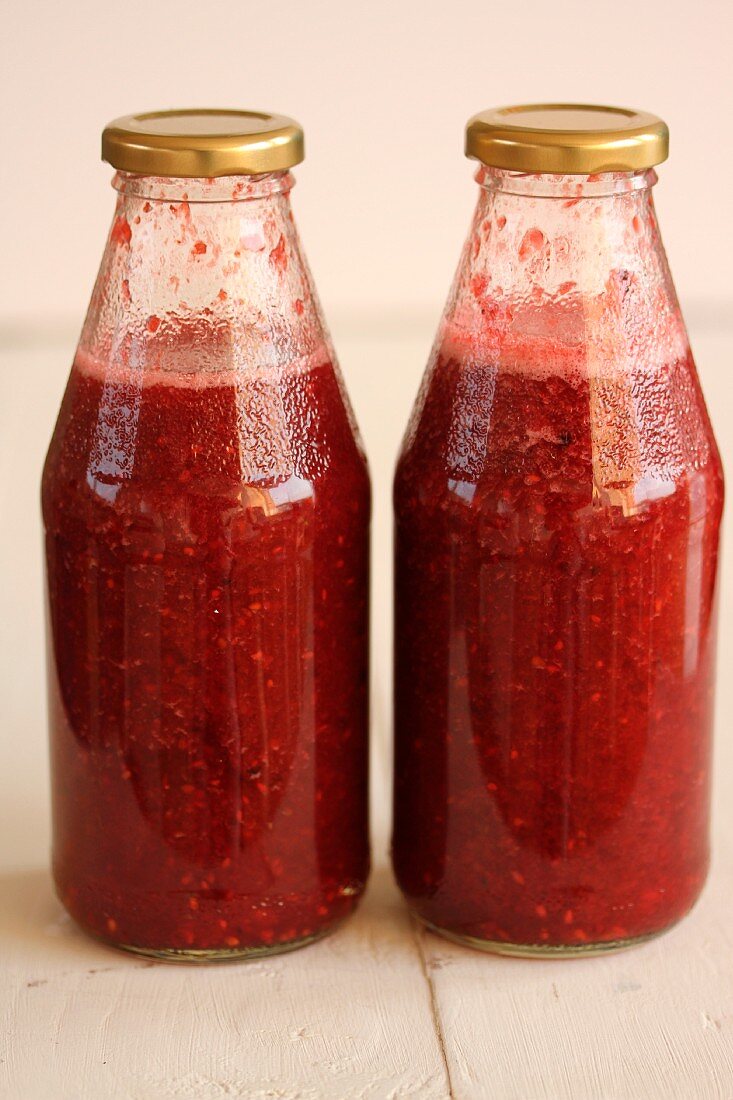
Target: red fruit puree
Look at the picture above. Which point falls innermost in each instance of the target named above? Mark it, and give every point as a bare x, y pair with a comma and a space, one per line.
554, 646
207, 540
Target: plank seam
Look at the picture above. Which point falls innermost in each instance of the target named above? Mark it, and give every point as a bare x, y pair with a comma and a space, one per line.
419, 934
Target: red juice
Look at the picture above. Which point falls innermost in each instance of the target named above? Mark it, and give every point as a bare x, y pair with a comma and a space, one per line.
207, 547
556, 547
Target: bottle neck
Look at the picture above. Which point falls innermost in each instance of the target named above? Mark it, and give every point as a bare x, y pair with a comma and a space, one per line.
539, 232
203, 275
555, 264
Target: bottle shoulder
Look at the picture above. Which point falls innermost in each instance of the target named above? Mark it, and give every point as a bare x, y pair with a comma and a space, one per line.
144, 441
509, 439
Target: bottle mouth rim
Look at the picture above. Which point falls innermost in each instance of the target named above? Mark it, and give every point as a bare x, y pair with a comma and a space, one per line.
203, 189
568, 187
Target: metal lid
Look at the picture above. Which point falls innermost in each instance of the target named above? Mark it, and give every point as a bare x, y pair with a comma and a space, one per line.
202, 143
567, 138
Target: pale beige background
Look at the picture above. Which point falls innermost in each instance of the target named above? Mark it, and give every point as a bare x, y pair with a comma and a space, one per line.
383, 89
381, 1010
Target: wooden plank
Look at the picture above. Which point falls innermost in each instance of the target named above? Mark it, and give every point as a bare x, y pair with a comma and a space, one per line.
347, 1018
655, 1022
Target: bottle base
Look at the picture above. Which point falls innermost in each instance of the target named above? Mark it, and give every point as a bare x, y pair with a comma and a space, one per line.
540, 950
220, 954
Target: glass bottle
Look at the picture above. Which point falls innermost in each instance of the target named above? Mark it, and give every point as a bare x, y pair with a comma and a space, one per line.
206, 503
558, 501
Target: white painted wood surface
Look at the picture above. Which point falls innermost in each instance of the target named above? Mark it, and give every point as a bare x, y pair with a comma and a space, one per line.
380, 1010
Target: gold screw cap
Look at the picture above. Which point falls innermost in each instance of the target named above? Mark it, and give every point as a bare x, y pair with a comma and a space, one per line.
567, 139
202, 143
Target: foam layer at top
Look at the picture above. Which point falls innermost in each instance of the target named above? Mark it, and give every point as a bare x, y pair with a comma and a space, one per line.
561, 340
193, 368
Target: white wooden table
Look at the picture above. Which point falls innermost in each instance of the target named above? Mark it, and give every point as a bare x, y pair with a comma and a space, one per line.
381, 1009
